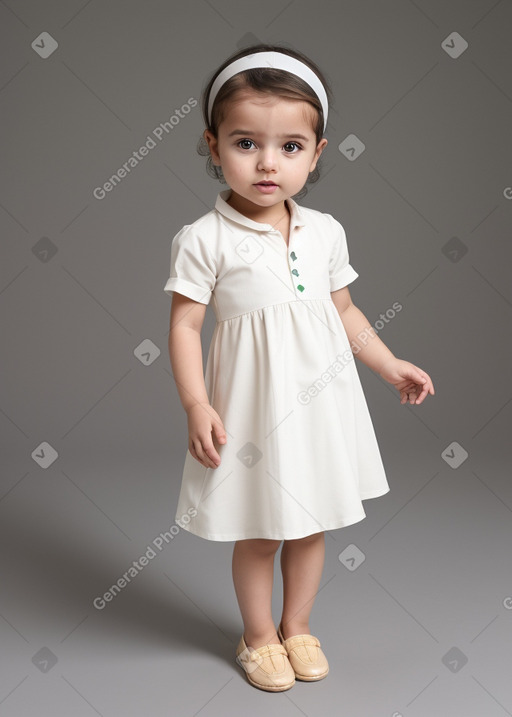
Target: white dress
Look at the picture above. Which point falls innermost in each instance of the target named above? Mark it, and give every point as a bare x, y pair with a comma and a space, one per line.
301, 452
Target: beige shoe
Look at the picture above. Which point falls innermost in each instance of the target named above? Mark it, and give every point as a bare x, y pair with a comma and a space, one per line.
307, 659
266, 667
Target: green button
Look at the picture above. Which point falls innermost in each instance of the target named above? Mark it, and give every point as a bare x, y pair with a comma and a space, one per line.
294, 271
300, 287
293, 256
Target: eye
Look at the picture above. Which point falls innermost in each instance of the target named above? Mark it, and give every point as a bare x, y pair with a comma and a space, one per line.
288, 144
245, 140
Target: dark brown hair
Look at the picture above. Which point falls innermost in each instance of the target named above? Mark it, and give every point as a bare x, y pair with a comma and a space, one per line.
267, 81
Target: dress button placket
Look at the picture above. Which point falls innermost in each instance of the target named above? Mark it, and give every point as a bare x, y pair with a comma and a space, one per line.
293, 257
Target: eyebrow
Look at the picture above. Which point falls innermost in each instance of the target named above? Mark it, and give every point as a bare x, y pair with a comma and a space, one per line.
281, 136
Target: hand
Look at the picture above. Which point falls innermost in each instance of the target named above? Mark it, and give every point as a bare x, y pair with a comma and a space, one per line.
202, 421
413, 383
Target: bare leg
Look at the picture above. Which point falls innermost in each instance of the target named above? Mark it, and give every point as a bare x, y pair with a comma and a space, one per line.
302, 563
253, 578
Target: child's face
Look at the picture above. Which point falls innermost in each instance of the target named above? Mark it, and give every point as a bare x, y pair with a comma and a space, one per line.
259, 140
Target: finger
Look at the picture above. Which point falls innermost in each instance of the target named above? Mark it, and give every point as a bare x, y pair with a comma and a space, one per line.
424, 393
427, 388
413, 395
428, 384
410, 388
212, 455
416, 375
192, 451
417, 394
220, 433
407, 385
203, 455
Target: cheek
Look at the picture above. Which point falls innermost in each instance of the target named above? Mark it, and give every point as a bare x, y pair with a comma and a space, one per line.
230, 156
237, 162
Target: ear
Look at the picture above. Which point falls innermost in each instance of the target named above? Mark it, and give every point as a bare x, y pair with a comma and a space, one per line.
212, 146
319, 149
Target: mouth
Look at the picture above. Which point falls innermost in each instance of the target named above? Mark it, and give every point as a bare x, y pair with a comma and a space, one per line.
267, 184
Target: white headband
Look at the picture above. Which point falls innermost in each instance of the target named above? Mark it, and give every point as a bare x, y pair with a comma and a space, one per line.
274, 60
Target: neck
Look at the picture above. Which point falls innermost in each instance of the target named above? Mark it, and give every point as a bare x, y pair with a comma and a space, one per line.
266, 215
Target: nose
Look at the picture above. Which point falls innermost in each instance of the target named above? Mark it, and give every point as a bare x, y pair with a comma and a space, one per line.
267, 160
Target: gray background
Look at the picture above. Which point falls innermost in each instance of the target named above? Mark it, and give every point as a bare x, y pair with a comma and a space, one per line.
427, 211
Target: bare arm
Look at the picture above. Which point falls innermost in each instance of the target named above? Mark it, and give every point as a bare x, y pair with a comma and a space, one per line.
186, 356
185, 351
413, 383
365, 343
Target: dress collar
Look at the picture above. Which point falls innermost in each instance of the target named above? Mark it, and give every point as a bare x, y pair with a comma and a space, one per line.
221, 205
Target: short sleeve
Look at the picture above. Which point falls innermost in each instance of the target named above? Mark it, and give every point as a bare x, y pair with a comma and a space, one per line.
192, 270
341, 272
